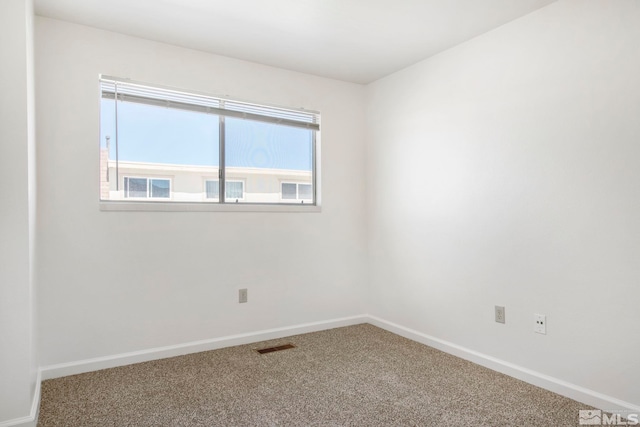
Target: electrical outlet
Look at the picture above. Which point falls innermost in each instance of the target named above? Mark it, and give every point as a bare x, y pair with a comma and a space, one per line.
500, 314
540, 325
243, 295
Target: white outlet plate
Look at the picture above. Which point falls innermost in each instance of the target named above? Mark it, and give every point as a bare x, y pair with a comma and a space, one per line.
243, 295
499, 314
540, 324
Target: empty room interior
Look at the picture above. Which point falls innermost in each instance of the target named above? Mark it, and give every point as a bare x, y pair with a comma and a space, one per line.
425, 212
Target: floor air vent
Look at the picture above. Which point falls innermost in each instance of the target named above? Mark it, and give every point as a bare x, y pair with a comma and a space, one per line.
278, 348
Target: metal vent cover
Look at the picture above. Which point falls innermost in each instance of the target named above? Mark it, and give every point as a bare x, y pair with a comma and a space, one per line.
277, 348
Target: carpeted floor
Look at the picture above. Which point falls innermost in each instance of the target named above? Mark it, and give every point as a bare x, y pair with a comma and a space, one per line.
354, 376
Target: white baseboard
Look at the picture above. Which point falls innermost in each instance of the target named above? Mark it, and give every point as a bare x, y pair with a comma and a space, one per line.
88, 365
30, 420
572, 391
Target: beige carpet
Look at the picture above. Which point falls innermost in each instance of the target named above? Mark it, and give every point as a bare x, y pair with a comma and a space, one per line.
353, 376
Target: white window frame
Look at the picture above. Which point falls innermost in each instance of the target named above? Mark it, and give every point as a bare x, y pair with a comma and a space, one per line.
149, 179
235, 108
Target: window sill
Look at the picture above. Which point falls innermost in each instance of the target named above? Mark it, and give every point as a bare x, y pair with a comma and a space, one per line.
205, 207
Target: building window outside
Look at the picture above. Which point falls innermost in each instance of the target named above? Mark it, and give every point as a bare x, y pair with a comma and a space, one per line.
147, 130
147, 188
212, 189
234, 190
296, 191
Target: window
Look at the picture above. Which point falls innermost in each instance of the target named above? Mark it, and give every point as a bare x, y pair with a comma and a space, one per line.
234, 190
297, 191
260, 154
212, 189
147, 188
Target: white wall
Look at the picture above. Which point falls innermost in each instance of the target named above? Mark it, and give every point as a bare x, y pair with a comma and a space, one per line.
115, 282
17, 212
506, 171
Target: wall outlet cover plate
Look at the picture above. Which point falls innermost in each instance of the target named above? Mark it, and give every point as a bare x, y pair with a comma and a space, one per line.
499, 314
540, 324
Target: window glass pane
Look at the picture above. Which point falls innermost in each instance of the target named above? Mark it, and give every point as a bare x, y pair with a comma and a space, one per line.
265, 154
288, 191
212, 189
304, 191
160, 188
234, 190
154, 140
136, 187
162, 145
